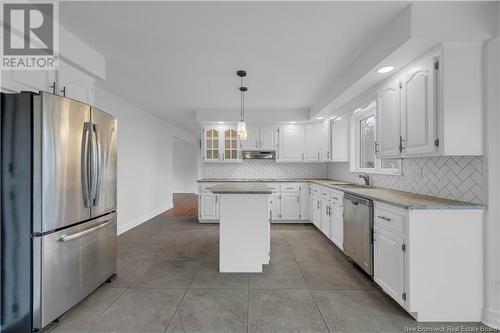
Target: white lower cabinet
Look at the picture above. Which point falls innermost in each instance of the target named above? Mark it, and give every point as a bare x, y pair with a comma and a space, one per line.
305, 211
389, 250
389, 259
316, 209
274, 207
209, 207
290, 206
337, 225
324, 225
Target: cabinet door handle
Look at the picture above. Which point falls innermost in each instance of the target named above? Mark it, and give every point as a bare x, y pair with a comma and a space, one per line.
318, 155
401, 144
298, 199
53, 86
376, 148
63, 90
384, 218
216, 198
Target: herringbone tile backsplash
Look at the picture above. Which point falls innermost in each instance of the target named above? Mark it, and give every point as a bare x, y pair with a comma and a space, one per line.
456, 177
265, 169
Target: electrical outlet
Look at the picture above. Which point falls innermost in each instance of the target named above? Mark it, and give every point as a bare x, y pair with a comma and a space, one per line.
416, 173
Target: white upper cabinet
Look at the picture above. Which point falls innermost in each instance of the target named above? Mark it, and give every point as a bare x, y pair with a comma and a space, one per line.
317, 142
260, 137
211, 147
312, 136
340, 139
418, 100
74, 84
388, 120
30, 80
437, 100
253, 137
291, 143
231, 151
221, 144
268, 140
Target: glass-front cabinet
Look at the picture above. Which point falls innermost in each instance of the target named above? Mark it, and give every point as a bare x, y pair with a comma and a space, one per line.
221, 144
211, 144
231, 151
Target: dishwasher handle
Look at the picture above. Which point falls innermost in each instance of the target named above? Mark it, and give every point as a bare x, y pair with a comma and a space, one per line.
355, 200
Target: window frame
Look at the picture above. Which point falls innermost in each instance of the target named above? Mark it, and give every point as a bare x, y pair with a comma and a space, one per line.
366, 110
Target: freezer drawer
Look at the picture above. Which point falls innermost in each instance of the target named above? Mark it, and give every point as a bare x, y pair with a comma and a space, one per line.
71, 263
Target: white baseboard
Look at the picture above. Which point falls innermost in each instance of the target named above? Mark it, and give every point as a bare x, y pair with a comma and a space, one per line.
122, 227
491, 318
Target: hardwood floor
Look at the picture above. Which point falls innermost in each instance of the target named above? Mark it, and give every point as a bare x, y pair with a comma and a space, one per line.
185, 204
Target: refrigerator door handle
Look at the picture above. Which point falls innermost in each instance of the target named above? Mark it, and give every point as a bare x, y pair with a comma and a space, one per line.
85, 164
65, 238
96, 167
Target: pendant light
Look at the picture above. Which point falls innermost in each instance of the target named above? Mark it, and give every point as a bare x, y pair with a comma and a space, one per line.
242, 126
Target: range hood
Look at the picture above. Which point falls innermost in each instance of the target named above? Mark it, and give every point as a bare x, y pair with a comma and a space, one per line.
258, 154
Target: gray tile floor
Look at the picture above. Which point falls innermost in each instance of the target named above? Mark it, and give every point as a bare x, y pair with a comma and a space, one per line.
168, 281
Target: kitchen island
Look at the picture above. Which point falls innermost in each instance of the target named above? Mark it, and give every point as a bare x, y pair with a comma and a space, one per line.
244, 243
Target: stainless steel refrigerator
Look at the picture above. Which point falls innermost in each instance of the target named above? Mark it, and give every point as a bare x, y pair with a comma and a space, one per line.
58, 206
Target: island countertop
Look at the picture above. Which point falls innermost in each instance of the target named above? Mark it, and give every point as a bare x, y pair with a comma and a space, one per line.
240, 188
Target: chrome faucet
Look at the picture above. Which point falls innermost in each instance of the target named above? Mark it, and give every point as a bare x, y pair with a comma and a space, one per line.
366, 178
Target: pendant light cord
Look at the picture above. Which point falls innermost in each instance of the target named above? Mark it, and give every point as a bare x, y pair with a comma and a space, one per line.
242, 101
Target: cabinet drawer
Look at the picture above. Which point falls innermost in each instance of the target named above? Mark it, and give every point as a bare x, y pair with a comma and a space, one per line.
337, 197
204, 188
389, 218
289, 188
275, 188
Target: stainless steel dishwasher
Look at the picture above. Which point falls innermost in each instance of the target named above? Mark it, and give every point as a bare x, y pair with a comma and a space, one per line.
358, 231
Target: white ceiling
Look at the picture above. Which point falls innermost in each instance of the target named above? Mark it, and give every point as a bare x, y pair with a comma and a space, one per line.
172, 58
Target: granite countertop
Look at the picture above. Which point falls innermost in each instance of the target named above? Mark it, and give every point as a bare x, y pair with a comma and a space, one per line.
410, 200
402, 199
260, 180
240, 188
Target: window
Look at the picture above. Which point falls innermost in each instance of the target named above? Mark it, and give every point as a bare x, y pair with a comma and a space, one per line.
363, 159
367, 142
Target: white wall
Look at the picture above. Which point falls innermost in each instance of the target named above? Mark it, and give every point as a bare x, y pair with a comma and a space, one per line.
144, 161
185, 166
492, 166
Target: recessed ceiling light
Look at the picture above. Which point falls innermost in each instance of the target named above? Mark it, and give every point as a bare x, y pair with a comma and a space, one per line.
292, 122
221, 122
319, 118
385, 69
